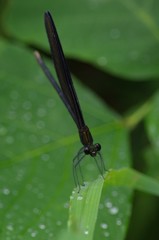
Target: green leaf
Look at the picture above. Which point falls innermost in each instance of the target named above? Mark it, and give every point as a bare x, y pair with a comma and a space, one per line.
134, 180
121, 36
152, 153
39, 141
84, 206
84, 209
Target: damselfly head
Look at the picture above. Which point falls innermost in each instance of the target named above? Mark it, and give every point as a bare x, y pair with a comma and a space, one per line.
92, 149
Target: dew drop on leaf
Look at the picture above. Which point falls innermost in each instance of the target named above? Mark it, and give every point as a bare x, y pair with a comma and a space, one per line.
118, 222
33, 234
33, 138
104, 225
3, 130
1, 205
10, 227
27, 116
86, 232
41, 112
27, 105
40, 124
45, 157
66, 205
51, 103
58, 223
71, 197
114, 193
108, 204
102, 61
9, 139
115, 33
79, 198
46, 139
106, 234
42, 226
6, 191
14, 95
113, 210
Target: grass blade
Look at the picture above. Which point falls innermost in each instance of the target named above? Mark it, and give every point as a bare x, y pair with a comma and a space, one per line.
84, 209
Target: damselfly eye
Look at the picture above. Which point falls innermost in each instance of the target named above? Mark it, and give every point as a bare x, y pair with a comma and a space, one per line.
86, 150
98, 147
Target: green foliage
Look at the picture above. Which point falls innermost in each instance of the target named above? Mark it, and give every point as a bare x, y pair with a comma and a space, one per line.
82, 218
39, 139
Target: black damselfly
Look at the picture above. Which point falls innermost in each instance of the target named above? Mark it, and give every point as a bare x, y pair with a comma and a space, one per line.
67, 93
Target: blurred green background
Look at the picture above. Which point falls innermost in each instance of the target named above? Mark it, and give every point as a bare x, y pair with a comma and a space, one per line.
112, 48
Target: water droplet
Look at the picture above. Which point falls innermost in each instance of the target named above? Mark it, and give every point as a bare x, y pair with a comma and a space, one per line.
14, 95
86, 232
40, 195
16, 207
33, 138
27, 116
9, 139
66, 205
113, 210
27, 105
104, 225
108, 204
58, 223
106, 234
33, 234
95, 3
36, 211
71, 197
119, 222
12, 115
20, 175
46, 139
3, 130
115, 33
1, 205
114, 193
10, 227
45, 157
102, 61
41, 112
9, 215
6, 191
40, 124
51, 235
42, 226
20, 227
51, 103
48, 214
79, 198
84, 184
134, 55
